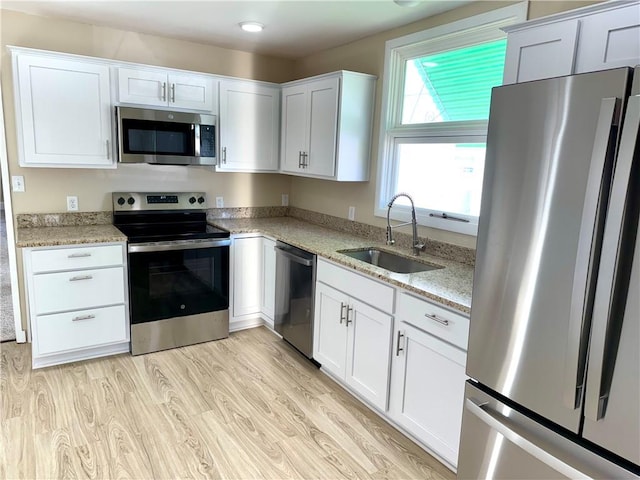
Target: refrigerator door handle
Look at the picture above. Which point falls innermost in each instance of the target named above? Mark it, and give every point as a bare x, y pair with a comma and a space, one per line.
498, 422
591, 228
606, 308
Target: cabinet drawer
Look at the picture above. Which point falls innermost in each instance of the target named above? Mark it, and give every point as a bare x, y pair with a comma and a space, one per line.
57, 292
355, 285
438, 321
80, 329
75, 258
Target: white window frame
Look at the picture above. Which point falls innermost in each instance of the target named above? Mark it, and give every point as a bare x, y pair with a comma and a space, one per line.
477, 29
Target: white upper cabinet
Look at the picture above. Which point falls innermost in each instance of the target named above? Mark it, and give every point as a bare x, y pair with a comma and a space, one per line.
249, 126
610, 39
63, 112
160, 88
326, 126
544, 52
605, 35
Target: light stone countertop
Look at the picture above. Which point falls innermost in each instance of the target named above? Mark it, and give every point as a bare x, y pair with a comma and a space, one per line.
68, 235
450, 286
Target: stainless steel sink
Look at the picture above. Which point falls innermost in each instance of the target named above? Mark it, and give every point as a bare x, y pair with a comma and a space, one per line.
389, 261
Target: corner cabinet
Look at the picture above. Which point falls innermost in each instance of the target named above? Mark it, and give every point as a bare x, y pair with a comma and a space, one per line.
326, 126
163, 88
588, 39
63, 111
77, 302
249, 121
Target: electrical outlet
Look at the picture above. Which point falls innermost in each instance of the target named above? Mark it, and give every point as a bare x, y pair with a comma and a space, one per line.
72, 204
352, 213
285, 200
17, 183
219, 202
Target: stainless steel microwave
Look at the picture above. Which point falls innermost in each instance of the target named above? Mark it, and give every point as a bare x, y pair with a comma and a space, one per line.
165, 137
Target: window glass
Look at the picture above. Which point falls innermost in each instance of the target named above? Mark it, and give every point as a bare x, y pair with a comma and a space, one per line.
445, 177
454, 85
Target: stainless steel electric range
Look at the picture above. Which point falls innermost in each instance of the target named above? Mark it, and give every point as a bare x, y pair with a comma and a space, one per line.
178, 270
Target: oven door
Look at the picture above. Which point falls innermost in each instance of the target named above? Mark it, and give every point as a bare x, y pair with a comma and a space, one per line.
178, 279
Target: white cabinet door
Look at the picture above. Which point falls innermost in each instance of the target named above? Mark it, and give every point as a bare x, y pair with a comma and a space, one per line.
268, 279
609, 39
160, 88
249, 126
369, 352
541, 52
294, 127
427, 391
63, 110
330, 329
323, 123
191, 91
142, 87
247, 278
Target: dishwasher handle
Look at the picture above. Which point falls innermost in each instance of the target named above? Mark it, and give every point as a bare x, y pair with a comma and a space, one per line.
303, 261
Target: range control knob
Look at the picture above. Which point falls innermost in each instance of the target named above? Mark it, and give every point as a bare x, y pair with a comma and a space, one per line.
131, 201
192, 200
200, 199
120, 201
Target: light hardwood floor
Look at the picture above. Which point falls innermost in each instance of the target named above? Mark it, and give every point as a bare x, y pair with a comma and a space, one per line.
245, 407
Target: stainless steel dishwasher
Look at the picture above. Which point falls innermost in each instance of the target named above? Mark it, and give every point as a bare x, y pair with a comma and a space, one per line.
295, 289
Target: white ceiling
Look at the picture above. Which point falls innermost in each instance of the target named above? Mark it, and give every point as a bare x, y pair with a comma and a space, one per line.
293, 28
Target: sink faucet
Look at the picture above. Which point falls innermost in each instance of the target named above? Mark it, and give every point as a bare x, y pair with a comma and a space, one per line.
416, 244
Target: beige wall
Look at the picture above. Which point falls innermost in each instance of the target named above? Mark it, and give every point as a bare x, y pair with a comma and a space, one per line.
367, 55
47, 188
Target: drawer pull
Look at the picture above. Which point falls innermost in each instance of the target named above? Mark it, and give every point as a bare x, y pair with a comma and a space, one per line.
78, 255
442, 321
83, 317
81, 277
398, 349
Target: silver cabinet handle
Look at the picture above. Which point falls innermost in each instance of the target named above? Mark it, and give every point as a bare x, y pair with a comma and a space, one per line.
493, 420
108, 150
349, 310
164, 91
612, 271
305, 164
80, 277
342, 319
83, 317
173, 92
300, 159
593, 214
398, 349
434, 317
224, 154
78, 255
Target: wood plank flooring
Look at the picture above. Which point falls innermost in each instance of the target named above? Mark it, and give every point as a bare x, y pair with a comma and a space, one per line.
247, 407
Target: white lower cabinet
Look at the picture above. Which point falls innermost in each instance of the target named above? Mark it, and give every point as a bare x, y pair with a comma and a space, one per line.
411, 367
77, 302
352, 340
268, 280
427, 389
253, 274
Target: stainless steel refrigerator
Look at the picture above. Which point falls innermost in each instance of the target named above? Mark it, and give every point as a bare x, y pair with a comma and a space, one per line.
554, 345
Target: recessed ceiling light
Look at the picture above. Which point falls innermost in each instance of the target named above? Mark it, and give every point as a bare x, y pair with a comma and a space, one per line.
251, 26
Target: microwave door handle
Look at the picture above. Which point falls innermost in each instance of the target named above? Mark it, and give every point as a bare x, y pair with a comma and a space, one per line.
196, 129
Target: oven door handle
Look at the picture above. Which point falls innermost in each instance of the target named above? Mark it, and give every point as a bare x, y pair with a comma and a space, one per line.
162, 247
